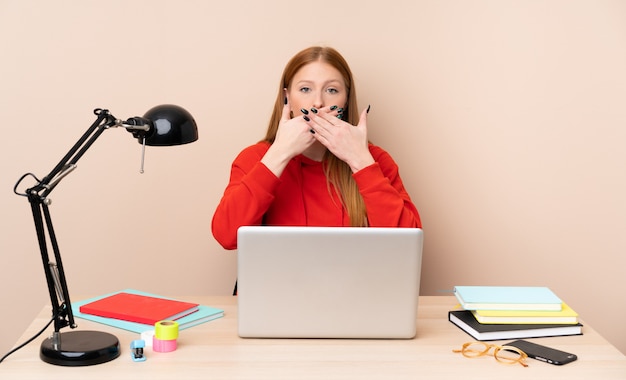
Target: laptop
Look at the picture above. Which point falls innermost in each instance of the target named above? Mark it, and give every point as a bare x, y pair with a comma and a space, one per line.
328, 282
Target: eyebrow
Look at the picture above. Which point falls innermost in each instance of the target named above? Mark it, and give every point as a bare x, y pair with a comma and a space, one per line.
307, 81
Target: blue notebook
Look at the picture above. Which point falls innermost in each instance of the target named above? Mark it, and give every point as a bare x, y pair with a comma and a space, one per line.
507, 298
204, 314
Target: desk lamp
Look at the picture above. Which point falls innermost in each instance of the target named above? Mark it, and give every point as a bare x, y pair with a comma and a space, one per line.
161, 126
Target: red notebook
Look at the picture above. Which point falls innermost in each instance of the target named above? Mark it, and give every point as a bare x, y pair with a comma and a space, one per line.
139, 308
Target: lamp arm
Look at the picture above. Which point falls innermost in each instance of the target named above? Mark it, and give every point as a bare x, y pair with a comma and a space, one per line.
102, 122
38, 198
55, 275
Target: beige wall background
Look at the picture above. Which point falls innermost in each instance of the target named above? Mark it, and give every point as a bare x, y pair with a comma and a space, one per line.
507, 118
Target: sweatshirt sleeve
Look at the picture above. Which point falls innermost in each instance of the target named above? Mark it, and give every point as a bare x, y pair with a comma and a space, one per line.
247, 196
387, 202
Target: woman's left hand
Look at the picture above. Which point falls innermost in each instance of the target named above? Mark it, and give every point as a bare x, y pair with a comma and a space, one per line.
346, 141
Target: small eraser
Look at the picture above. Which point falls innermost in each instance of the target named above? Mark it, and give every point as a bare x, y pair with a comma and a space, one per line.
147, 336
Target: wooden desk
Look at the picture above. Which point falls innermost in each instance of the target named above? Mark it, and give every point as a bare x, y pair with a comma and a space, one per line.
214, 351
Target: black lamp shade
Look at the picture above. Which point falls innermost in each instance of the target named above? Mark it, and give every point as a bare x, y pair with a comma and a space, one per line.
171, 125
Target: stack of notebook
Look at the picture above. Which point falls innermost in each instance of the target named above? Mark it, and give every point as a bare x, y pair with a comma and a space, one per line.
138, 311
510, 312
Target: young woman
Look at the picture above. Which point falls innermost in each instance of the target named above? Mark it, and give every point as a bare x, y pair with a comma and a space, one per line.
315, 166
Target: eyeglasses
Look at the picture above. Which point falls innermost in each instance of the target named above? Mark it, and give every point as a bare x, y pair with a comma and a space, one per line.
503, 354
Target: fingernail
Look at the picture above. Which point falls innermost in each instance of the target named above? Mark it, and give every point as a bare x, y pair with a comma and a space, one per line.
340, 116
312, 131
333, 108
313, 109
340, 110
305, 117
304, 111
368, 108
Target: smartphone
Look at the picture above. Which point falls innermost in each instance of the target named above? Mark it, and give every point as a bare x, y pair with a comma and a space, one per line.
543, 353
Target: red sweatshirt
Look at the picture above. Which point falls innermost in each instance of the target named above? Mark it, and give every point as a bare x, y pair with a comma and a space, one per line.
300, 197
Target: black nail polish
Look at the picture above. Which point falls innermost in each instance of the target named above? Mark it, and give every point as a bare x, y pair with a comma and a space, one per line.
305, 117
340, 116
313, 109
368, 108
312, 131
333, 108
340, 110
304, 111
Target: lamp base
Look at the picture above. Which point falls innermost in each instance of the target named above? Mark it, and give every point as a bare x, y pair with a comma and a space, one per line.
80, 348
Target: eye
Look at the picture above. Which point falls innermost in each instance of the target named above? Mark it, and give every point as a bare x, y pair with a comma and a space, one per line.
305, 89
332, 90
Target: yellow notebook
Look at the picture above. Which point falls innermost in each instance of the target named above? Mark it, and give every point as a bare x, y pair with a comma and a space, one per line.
565, 316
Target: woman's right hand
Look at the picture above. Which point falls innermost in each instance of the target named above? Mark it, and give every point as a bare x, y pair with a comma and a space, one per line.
292, 138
